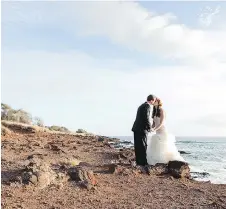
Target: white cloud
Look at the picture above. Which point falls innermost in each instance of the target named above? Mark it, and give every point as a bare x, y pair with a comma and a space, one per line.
75, 90
78, 91
207, 15
125, 23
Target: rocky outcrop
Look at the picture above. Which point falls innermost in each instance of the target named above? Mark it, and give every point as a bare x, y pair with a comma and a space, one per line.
179, 169
38, 173
83, 176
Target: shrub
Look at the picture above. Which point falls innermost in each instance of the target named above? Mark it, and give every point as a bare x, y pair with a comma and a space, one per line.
81, 131
58, 128
38, 122
7, 113
23, 117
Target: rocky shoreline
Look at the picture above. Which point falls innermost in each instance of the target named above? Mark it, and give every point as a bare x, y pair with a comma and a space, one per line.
50, 170
128, 145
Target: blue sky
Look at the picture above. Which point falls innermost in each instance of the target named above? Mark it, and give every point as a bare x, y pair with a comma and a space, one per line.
90, 64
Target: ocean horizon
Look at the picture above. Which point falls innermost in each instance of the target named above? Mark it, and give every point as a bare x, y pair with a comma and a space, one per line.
205, 154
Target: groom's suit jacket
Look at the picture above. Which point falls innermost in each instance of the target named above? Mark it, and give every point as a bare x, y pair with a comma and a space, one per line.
142, 122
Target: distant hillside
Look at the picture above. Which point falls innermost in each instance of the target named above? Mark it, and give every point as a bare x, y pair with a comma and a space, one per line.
21, 116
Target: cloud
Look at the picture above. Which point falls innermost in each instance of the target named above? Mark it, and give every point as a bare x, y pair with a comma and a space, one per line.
75, 89
207, 15
212, 124
213, 120
78, 91
133, 27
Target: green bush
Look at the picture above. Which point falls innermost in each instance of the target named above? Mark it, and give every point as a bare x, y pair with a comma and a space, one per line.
58, 128
21, 116
8, 113
81, 131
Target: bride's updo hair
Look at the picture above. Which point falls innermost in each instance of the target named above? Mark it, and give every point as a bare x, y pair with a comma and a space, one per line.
159, 102
156, 110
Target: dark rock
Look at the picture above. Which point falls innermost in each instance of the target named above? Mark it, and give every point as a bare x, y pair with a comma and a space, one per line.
100, 139
86, 184
107, 139
57, 148
117, 146
81, 131
157, 169
114, 168
126, 142
38, 173
183, 152
179, 169
54, 147
199, 175
82, 174
113, 139
127, 154
26, 176
85, 164
34, 155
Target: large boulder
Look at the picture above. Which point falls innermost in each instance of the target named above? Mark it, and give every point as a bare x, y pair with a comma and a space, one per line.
179, 169
38, 173
83, 175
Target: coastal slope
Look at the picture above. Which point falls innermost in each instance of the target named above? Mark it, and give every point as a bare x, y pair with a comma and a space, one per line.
44, 169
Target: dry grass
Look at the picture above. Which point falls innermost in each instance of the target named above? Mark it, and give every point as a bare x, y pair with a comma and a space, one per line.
21, 127
70, 162
10, 126
5, 131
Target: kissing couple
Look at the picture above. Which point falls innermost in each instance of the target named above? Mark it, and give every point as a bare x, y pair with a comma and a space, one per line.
161, 147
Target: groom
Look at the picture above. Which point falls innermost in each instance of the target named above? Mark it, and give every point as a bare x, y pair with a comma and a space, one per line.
141, 127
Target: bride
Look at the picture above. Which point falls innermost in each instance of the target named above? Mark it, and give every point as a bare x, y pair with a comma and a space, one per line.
161, 148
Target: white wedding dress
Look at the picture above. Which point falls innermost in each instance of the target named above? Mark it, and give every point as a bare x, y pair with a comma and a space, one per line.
161, 147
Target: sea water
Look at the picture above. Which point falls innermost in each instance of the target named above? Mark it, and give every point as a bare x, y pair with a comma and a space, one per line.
206, 154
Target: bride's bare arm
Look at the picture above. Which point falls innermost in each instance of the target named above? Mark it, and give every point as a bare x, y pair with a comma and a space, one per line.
162, 118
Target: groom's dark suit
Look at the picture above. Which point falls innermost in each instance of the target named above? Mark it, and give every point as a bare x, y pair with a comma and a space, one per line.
141, 127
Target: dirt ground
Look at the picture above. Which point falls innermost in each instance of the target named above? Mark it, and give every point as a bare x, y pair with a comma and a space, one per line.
129, 189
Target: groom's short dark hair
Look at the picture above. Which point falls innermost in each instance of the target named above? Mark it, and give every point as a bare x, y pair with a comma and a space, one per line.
151, 97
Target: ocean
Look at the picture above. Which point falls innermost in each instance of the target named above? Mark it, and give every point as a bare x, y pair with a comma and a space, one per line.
206, 154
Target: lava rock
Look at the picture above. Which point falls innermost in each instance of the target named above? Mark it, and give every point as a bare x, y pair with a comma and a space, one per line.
179, 169
82, 174
100, 139
200, 175
157, 169
183, 152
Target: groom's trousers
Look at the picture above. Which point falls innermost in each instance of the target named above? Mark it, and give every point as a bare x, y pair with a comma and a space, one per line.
140, 145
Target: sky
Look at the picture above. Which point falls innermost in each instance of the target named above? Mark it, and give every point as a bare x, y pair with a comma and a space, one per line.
90, 65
